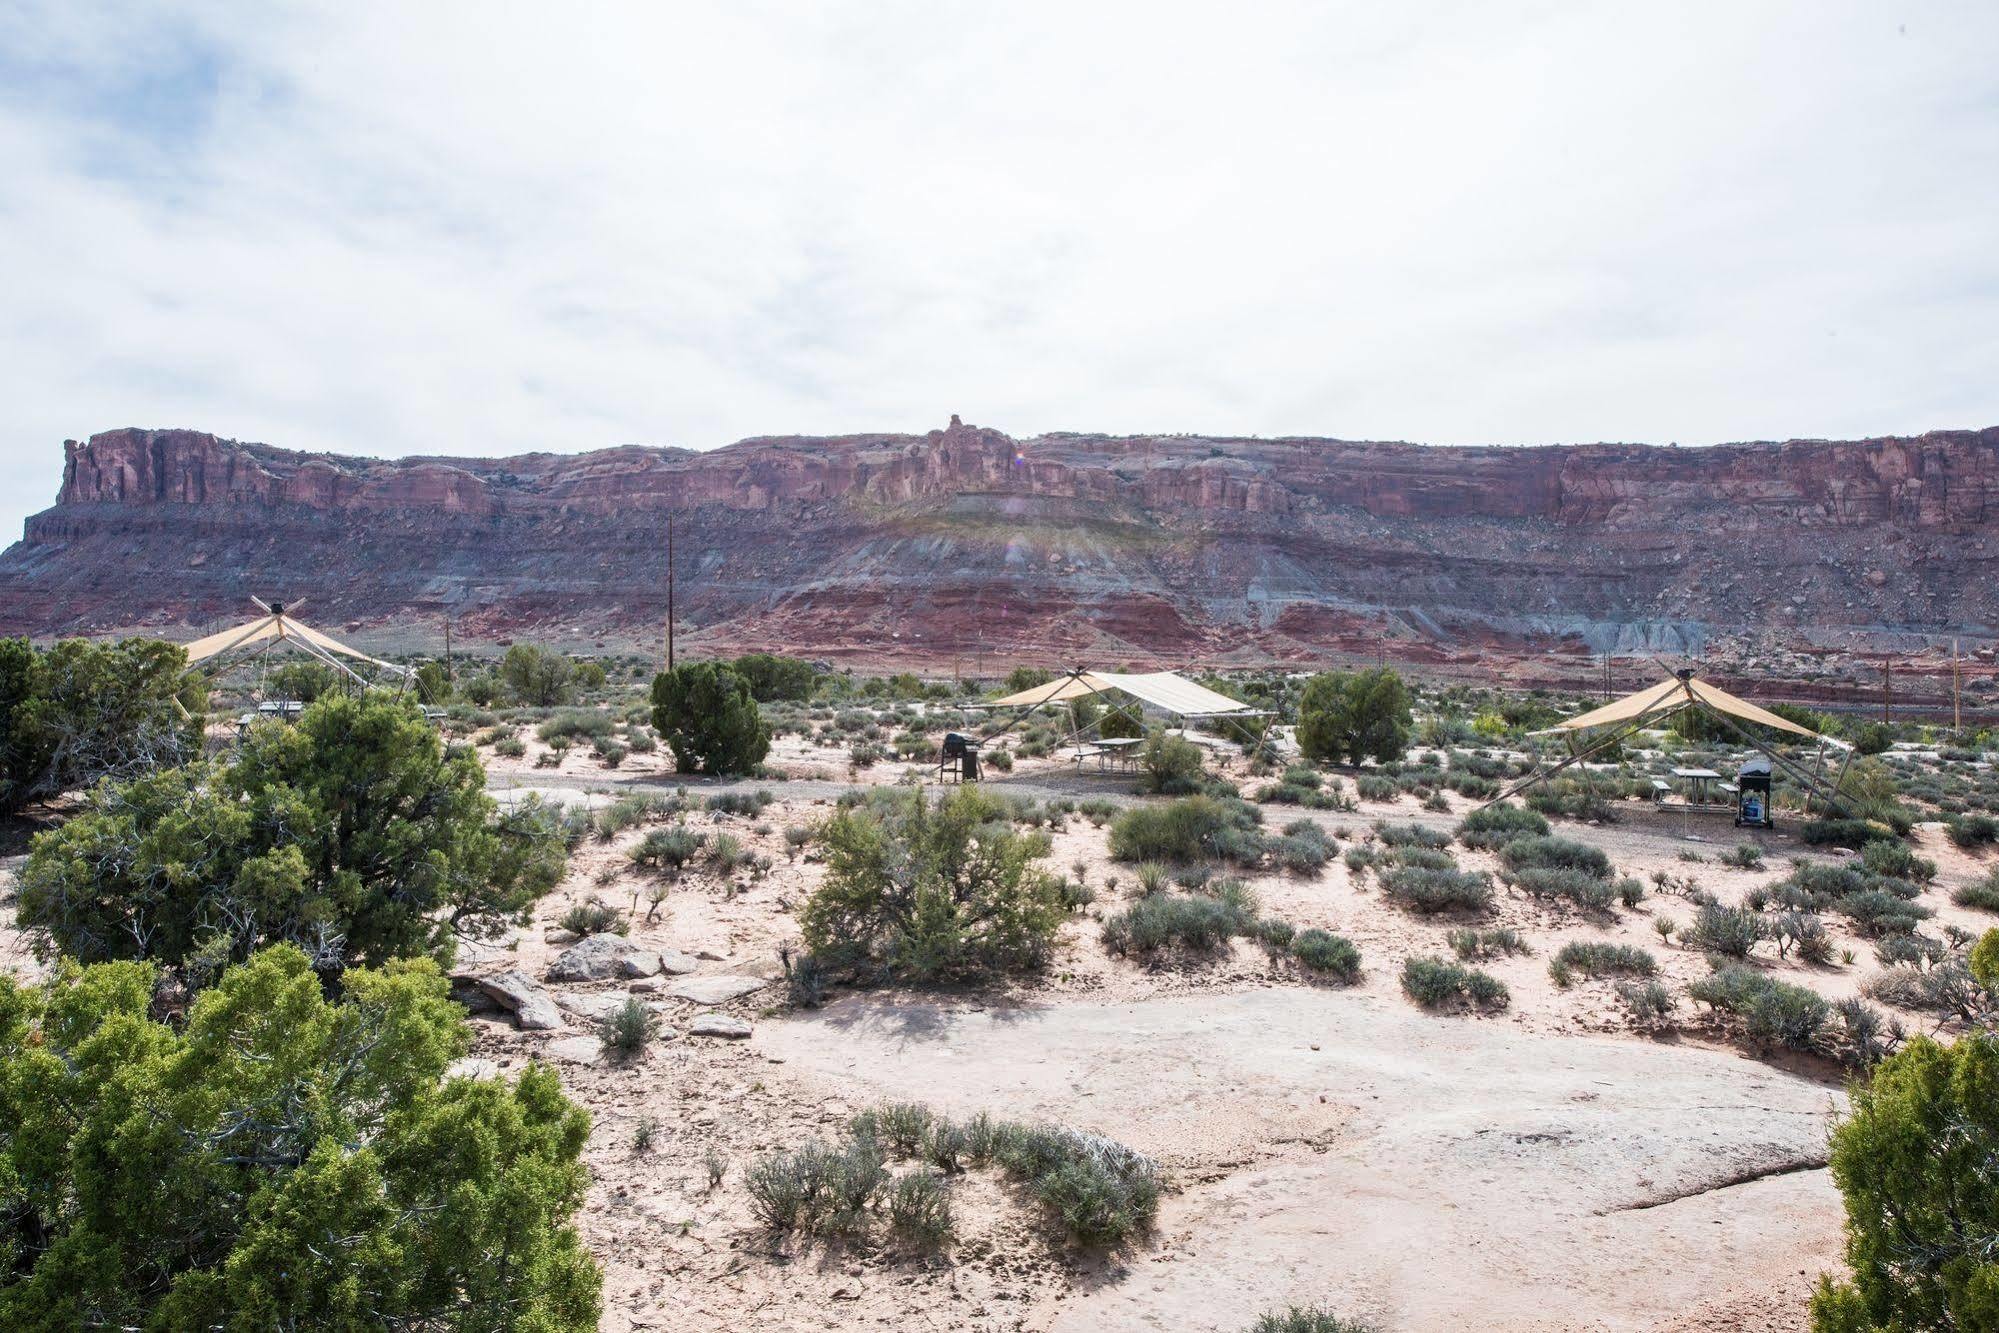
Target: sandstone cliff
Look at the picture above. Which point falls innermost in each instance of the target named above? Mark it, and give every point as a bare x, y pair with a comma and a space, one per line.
1117, 547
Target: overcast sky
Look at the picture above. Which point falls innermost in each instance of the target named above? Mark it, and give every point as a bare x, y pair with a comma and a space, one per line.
492, 228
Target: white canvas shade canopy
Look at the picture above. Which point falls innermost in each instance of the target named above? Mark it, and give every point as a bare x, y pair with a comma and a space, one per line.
1167, 691
278, 628
1657, 703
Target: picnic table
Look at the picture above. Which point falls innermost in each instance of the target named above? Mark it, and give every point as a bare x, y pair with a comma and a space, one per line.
1111, 752
1699, 778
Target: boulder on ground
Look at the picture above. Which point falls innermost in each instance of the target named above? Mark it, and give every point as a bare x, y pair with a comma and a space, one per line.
602, 957
718, 1025
531, 1006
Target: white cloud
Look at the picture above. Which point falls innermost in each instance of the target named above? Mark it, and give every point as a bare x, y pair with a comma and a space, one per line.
491, 228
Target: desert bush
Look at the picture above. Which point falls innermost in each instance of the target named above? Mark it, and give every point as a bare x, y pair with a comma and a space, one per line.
1436, 982
920, 891
1853, 833
1554, 853
1895, 859
1495, 825
1327, 955
1579, 887
1803, 932
1917, 1135
627, 1030
1599, 958
1169, 765
290, 1162
1773, 1012
1102, 1192
773, 678
84, 711
1477, 945
624, 813
538, 677
1304, 849
1647, 1001
1969, 831
1374, 787
1351, 716
1729, 932
1879, 911
1743, 856
708, 718
1431, 891
1195, 924
918, 1209
1410, 835
577, 724
593, 917
1189, 829
668, 849
1982, 896
1307, 1319
353, 834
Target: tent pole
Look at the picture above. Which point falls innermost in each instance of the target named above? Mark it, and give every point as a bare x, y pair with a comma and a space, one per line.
1540, 776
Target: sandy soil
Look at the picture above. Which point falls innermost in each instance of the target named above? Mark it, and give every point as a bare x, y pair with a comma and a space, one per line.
1547, 1168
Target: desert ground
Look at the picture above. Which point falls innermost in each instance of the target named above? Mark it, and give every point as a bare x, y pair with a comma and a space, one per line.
1557, 1165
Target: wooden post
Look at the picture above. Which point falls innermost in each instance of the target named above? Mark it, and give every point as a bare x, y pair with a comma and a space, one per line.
669, 591
1884, 691
447, 647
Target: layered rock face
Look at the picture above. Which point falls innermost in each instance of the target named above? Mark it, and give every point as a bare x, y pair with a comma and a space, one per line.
939, 546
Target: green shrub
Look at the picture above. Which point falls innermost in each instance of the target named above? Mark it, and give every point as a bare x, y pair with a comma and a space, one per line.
668, 848
1169, 765
1894, 859
1195, 924
84, 710
1647, 1001
1374, 787
1773, 1012
920, 891
918, 1209
1431, 891
577, 723
1351, 716
1554, 853
354, 834
538, 677
1599, 958
627, 1030
1475, 945
1411, 835
772, 678
1970, 831
1437, 982
1730, 932
1878, 911
1307, 1319
1744, 856
1853, 833
593, 917
1189, 829
278, 1160
1327, 954
1982, 896
1493, 826
1917, 1134
708, 718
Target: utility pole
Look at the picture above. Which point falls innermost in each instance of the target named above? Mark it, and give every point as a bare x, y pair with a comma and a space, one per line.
1884, 691
447, 646
1956, 707
669, 591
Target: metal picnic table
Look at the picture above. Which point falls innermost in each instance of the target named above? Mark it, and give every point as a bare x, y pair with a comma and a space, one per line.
1112, 752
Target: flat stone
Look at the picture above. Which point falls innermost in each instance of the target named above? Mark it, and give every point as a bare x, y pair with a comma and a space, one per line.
640, 963
675, 963
715, 990
718, 1025
595, 1006
532, 1007
557, 935
645, 985
577, 1050
473, 1067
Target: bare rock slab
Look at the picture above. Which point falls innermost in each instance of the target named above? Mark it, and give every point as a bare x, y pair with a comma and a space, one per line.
718, 1025
593, 1006
534, 1010
715, 990
577, 1050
